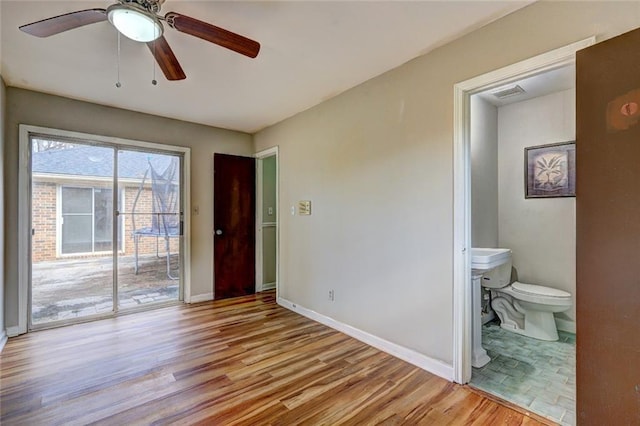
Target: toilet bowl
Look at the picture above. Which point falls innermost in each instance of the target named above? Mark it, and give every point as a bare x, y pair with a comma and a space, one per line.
525, 309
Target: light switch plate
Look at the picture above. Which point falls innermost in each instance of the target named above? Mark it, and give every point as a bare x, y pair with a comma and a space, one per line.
304, 207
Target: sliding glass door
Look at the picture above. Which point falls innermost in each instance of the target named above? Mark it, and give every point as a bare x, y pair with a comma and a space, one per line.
149, 265
71, 245
84, 197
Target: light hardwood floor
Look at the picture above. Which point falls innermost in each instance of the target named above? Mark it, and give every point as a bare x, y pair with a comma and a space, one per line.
237, 361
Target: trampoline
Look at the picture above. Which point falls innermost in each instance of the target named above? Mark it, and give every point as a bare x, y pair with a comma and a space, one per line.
165, 212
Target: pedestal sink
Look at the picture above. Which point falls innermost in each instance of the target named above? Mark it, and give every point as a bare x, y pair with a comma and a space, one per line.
485, 259
482, 261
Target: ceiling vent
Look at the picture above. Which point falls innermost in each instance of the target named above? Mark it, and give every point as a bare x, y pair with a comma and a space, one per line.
508, 92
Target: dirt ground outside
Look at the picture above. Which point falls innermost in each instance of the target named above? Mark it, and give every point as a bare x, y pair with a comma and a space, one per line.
67, 289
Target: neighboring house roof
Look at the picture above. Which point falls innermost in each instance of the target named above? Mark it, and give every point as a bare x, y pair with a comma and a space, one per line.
97, 161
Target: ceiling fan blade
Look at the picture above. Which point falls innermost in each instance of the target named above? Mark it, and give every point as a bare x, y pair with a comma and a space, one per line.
213, 34
57, 24
166, 59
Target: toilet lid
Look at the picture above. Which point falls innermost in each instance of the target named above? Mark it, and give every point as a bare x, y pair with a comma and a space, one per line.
538, 290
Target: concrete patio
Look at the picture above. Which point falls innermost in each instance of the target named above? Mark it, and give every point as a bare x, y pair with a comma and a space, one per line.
71, 288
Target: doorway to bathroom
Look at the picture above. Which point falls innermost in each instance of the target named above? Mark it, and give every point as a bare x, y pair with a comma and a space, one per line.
499, 116
267, 231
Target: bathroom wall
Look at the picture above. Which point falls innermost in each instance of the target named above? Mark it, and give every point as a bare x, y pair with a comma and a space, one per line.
540, 232
484, 173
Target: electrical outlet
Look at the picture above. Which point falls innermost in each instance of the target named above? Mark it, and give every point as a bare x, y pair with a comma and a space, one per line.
331, 295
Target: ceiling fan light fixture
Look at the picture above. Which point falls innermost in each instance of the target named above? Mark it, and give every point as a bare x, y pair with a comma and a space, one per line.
135, 24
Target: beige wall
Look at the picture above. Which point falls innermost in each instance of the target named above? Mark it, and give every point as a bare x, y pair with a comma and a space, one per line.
26, 107
484, 173
377, 163
540, 232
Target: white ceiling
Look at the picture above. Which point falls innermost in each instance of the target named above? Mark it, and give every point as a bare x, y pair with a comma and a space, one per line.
311, 51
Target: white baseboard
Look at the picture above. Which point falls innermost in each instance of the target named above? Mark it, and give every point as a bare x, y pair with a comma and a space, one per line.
3, 339
14, 331
566, 325
268, 286
429, 364
201, 298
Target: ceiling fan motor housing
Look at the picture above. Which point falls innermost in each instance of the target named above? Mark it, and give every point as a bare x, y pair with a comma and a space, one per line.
152, 6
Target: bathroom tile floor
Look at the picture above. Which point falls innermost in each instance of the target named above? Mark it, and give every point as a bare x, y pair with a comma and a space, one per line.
536, 375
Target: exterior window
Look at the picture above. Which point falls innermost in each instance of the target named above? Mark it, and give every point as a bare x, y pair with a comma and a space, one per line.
87, 220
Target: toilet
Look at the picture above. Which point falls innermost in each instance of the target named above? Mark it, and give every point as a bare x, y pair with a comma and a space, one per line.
525, 309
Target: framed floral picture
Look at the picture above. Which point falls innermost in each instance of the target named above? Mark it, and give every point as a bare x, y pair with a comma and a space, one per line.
550, 170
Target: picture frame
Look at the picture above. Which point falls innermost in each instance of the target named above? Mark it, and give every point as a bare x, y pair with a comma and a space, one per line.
550, 170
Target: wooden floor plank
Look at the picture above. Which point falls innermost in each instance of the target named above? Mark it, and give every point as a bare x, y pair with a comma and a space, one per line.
243, 361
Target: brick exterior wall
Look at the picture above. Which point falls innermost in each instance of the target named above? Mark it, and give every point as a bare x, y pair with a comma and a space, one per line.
44, 213
45, 216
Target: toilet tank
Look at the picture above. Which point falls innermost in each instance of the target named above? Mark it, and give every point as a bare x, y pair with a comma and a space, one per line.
498, 277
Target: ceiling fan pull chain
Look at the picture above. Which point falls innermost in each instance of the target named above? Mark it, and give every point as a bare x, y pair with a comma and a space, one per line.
155, 42
118, 85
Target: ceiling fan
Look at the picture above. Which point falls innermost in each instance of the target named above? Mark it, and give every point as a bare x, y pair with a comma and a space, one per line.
140, 20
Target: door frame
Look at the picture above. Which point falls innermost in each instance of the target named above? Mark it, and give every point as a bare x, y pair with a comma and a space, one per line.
24, 208
259, 156
462, 186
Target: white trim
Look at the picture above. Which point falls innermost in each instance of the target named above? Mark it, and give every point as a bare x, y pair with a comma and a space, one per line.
24, 198
14, 331
205, 297
538, 64
267, 152
462, 192
270, 152
3, 339
268, 286
259, 257
278, 216
437, 367
59, 218
566, 325
24, 233
461, 240
186, 225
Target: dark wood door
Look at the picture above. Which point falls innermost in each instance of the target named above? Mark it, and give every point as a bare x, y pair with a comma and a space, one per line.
608, 232
234, 226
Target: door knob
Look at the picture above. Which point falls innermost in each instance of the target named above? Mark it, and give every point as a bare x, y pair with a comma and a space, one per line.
218, 231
